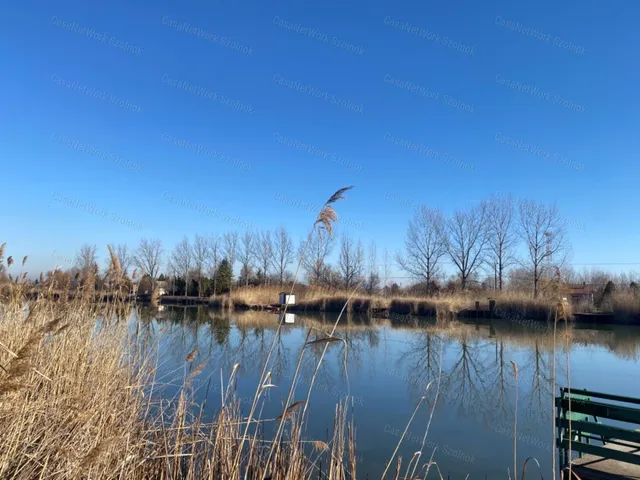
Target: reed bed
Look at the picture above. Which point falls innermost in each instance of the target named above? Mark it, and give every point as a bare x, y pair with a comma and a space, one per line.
79, 398
68, 406
626, 306
509, 304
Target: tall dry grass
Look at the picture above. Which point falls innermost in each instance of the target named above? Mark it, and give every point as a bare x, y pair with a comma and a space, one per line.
69, 406
317, 299
626, 306
79, 398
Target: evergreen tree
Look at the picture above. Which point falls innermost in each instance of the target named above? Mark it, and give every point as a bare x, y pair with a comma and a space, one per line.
224, 277
607, 294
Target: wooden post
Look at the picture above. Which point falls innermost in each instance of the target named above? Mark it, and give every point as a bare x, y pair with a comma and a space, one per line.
492, 307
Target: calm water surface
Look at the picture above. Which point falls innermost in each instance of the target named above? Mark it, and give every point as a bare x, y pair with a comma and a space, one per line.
389, 363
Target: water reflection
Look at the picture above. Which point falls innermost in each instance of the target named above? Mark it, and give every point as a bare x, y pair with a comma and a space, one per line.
386, 365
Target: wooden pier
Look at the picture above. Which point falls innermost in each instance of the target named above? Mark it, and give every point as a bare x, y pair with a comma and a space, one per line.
605, 451
593, 467
594, 317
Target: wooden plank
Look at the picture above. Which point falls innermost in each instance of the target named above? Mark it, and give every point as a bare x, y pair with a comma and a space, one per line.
592, 467
606, 431
604, 410
603, 452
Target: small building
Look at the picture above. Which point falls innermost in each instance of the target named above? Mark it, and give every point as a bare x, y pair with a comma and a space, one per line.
161, 287
580, 293
287, 299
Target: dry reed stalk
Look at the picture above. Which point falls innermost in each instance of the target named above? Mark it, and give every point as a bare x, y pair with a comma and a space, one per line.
515, 422
553, 394
336, 467
402, 438
431, 412
292, 407
324, 220
568, 366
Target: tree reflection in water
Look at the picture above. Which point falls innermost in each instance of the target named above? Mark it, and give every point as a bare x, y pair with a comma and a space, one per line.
474, 359
477, 379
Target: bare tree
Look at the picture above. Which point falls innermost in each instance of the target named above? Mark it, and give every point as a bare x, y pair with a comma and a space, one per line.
182, 260
230, 248
373, 279
502, 234
425, 245
86, 258
386, 269
350, 262
313, 262
283, 253
542, 230
330, 277
466, 238
173, 273
247, 255
200, 252
264, 254
148, 257
214, 259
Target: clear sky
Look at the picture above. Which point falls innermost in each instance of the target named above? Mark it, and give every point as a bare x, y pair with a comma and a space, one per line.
101, 139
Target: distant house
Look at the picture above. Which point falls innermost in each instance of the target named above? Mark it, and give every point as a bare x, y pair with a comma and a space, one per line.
579, 293
161, 287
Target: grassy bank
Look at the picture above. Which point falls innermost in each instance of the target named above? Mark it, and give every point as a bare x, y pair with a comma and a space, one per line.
508, 305
517, 306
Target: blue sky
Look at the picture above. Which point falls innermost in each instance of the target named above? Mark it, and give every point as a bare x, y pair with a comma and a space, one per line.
292, 101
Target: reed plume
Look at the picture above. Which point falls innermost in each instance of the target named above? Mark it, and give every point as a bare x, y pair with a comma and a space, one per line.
192, 355
324, 220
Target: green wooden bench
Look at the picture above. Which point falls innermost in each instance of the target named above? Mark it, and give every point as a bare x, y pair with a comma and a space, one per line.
588, 409
574, 416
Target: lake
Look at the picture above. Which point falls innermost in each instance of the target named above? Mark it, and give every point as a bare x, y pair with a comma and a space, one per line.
386, 366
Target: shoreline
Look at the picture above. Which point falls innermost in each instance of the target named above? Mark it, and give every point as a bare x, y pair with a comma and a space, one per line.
517, 311
428, 308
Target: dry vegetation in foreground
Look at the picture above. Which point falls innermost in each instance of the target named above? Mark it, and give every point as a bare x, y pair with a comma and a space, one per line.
79, 399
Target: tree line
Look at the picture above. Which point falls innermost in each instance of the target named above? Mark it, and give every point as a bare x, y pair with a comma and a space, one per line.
521, 244
487, 236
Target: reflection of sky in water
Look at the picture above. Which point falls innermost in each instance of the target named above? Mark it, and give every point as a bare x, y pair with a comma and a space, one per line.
388, 368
